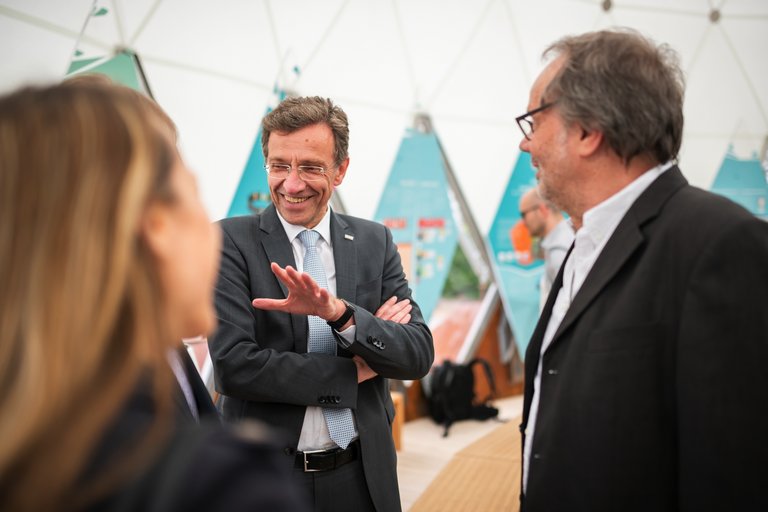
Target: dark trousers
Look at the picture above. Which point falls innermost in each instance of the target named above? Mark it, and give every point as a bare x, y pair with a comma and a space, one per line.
339, 490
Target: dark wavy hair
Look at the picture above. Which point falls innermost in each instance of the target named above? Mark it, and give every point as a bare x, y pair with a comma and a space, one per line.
624, 85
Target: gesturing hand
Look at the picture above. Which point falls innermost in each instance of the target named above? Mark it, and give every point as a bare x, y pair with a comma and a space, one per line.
305, 296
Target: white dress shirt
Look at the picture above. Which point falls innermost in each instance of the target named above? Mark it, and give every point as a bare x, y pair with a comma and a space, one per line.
598, 225
314, 432
555, 245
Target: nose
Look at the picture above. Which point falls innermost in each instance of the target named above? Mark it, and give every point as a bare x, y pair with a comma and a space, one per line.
293, 182
524, 144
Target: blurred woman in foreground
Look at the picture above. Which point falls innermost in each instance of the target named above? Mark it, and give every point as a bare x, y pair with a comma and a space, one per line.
107, 259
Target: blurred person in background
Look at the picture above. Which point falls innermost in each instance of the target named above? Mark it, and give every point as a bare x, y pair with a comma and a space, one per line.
545, 222
106, 257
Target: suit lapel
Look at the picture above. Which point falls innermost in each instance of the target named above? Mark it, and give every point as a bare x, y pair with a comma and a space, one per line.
344, 257
278, 249
345, 260
533, 351
275, 241
627, 238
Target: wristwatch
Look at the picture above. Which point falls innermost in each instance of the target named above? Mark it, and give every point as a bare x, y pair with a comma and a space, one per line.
336, 325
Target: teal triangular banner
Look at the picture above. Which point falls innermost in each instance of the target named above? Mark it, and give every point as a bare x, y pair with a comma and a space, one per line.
252, 193
518, 273
76, 65
744, 182
121, 68
415, 205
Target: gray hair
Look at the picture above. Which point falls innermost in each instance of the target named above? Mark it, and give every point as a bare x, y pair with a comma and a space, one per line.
624, 85
293, 114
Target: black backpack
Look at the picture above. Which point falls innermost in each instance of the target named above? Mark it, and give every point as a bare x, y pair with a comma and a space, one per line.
452, 395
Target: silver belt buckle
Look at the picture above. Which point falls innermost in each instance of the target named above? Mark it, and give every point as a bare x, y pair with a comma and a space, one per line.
306, 469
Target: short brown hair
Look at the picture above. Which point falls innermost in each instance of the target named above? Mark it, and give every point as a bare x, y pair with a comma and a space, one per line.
293, 114
624, 85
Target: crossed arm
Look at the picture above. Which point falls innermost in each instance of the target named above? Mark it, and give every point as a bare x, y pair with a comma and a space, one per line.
306, 297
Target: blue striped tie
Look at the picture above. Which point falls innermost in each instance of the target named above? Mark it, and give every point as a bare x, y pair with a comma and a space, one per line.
341, 425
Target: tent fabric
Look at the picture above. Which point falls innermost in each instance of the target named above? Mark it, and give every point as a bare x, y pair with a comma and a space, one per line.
469, 65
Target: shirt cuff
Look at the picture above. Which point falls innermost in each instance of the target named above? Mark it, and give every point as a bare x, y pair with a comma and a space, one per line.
347, 337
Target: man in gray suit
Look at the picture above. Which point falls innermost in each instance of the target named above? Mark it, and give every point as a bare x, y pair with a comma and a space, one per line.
296, 276
645, 378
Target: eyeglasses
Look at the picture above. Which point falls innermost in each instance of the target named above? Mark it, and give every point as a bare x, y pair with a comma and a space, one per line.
525, 121
523, 213
306, 172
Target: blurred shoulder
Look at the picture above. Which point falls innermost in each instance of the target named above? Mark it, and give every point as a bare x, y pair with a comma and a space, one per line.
217, 467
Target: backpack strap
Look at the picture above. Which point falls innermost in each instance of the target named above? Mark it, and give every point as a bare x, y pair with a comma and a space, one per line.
488, 376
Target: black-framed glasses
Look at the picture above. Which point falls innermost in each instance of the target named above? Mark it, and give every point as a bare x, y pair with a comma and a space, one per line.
306, 172
525, 121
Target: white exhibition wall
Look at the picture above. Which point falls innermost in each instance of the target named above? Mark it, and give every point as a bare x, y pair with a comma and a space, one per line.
468, 64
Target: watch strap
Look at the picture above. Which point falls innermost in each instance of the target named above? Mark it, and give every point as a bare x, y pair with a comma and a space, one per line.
336, 325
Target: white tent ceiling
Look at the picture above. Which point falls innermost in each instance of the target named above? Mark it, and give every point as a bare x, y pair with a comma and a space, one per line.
469, 64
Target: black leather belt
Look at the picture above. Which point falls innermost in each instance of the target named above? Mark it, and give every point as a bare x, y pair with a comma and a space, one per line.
325, 460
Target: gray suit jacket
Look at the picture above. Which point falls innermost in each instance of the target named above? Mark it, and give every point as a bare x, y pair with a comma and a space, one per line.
261, 364
654, 390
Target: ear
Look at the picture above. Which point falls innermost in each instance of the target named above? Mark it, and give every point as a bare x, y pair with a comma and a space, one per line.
589, 142
341, 172
156, 230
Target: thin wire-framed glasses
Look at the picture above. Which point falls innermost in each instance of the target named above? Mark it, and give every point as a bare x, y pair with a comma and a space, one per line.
306, 172
525, 121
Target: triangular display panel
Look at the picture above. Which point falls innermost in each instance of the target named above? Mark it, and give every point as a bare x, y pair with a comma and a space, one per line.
518, 273
744, 182
415, 206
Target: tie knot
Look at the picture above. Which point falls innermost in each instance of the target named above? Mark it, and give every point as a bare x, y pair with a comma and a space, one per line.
309, 238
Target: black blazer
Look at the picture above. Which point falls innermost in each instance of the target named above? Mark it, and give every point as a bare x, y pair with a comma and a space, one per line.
654, 390
261, 365
206, 466
205, 408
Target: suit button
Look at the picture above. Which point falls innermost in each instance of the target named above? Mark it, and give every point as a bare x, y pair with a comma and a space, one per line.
370, 339
552, 371
322, 400
537, 456
337, 399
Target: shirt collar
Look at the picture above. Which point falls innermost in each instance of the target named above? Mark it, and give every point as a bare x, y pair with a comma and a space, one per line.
601, 220
323, 227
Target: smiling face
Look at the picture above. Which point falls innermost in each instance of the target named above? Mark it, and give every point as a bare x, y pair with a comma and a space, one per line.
304, 203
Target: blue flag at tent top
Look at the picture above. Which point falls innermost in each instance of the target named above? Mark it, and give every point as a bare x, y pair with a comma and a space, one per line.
415, 206
744, 182
518, 271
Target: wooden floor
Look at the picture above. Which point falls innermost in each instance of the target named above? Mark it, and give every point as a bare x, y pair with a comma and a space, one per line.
425, 453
